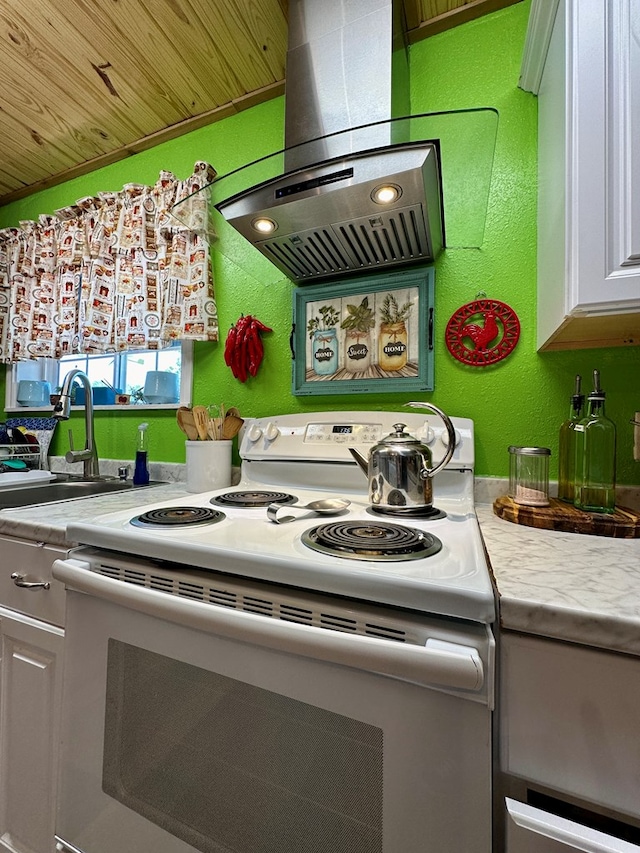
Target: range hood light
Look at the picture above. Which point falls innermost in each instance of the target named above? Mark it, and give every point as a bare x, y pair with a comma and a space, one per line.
264, 225
386, 194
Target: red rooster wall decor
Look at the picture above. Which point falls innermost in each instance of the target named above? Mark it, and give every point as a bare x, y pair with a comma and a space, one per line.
482, 332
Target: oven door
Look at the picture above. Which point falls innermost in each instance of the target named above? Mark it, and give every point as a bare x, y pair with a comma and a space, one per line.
188, 726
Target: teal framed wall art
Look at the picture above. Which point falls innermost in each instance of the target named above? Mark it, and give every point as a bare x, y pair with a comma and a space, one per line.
370, 334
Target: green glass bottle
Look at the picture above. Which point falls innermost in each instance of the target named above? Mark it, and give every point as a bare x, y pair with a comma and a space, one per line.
567, 449
595, 437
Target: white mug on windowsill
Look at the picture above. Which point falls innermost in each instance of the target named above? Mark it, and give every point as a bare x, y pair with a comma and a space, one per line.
208, 465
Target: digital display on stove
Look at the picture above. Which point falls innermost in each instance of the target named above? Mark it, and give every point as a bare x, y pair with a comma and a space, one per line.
342, 429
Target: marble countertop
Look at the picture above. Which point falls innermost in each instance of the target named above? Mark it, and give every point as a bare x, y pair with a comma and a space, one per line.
568, 586
48, 522
583, 589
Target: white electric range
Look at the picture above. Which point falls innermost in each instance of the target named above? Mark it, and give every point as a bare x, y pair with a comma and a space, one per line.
252, 691
298, 459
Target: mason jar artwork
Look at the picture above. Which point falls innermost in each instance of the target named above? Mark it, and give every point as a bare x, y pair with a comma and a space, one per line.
392, 346
393, 343
324, 351
357, 325
321, 328
357, 351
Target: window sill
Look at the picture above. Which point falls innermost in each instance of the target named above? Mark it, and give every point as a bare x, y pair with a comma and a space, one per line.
138, 407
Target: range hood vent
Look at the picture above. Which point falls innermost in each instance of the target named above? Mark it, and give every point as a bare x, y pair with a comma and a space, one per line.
312, 209
396, 237
327, 222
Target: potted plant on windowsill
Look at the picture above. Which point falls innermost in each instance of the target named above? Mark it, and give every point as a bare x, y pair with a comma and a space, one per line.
54, 399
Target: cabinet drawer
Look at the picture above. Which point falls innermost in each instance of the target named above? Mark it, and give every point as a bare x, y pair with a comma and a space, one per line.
32, 561
569, 720
530, 830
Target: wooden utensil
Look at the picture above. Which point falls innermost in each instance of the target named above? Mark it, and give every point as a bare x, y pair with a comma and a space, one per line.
186, 422
201, 417
231, 426
215, 429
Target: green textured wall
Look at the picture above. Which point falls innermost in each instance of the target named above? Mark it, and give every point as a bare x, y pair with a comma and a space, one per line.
521, 400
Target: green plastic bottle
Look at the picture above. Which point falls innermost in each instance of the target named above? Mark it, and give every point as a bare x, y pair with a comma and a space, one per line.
567, 446
595, 437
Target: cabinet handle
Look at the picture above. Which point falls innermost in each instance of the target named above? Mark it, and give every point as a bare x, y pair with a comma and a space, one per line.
20, 580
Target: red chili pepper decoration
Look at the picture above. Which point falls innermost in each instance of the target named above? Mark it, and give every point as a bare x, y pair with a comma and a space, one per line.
243, 349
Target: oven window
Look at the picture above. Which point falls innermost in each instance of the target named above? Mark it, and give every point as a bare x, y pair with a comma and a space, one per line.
224, 765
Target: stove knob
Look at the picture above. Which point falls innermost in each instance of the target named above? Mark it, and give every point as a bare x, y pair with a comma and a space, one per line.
428, 435
254, 433
271, 432
444, 438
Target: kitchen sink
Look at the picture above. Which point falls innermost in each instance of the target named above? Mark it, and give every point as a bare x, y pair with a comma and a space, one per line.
63, 490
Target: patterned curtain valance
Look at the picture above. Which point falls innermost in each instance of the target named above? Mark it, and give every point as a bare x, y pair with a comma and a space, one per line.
110, 273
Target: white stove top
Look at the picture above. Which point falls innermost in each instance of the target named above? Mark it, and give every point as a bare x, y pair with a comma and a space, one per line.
454, 582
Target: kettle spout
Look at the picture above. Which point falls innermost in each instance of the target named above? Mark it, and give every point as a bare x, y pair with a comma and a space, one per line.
362, 462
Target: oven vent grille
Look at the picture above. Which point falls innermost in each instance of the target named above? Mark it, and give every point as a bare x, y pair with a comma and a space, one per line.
304, 609
363, 243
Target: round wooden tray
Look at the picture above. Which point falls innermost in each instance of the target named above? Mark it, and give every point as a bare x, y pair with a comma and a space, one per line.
624, 523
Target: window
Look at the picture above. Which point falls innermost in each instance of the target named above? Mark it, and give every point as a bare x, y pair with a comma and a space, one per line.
125, 372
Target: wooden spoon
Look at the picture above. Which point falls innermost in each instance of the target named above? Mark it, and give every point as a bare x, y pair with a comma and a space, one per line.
187, 423
201, 417
231, 426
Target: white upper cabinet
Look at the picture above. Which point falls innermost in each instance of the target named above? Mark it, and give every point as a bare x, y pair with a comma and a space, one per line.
582, 59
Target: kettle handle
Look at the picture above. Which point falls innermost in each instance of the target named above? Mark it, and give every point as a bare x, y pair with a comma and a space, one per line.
451, 433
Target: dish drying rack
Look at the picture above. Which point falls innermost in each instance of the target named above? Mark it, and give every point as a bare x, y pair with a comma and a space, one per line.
27, 453
33, 452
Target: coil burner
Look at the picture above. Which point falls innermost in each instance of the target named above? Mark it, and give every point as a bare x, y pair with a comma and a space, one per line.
175, 516
377, 541
431, 513
251, 499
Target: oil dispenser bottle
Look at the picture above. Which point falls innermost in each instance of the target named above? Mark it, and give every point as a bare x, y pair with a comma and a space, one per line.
567, 446
141, 470
595, 437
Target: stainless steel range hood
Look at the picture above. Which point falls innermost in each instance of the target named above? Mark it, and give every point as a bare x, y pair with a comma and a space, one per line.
327, 223
348, 133
346, 68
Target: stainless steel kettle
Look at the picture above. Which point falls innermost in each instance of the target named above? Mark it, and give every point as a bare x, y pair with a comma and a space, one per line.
399, 468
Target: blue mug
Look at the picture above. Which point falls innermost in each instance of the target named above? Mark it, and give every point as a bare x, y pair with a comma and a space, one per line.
33, 392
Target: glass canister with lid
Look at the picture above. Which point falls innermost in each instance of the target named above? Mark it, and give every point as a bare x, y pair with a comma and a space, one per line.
529, 475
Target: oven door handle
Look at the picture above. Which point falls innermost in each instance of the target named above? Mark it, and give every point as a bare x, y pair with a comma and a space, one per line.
436, 664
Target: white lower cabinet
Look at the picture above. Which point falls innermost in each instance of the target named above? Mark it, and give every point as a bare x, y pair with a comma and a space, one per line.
531, 830
32, 614
569, 774
30, 698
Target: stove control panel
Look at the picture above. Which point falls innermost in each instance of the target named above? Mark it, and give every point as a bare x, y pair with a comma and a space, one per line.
343, 433
327, 436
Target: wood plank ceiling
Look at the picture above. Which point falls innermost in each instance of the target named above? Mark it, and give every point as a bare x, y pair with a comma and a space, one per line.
84, 83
